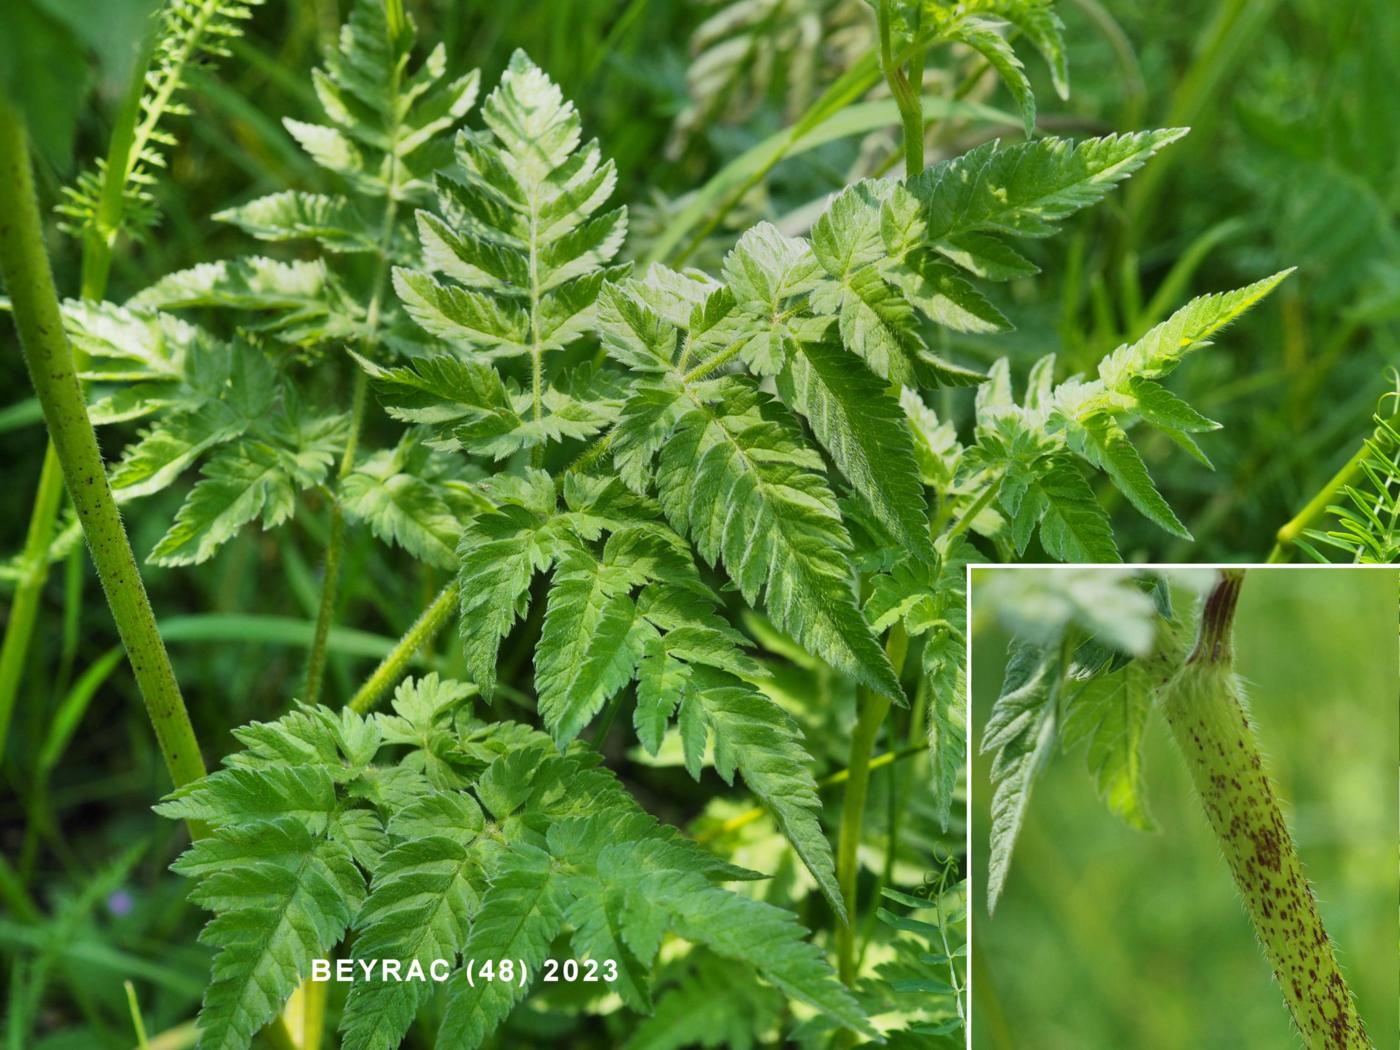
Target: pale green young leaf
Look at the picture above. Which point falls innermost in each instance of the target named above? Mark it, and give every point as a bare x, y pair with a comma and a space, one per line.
292, 215
520, 240
190, 35
1111, 714
384, 118
1021, 731
1041, 24
1159, 351
1023, 190
300, 302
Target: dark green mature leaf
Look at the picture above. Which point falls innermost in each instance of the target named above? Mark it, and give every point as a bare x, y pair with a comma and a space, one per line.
521, 913
864, 430
292, 215
736, 477
590, 645
759, 739
1099, 439
281, 897
1073, 526
500, 553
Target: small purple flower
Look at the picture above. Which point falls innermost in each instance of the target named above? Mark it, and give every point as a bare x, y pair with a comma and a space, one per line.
120, 903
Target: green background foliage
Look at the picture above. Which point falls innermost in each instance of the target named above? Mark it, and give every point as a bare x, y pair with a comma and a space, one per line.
1106, 936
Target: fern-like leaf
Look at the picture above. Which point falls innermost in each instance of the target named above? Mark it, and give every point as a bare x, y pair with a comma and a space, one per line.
521, 240
281, 897
190, 33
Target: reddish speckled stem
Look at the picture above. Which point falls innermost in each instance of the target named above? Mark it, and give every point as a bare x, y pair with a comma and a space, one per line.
1205, 709
34, 303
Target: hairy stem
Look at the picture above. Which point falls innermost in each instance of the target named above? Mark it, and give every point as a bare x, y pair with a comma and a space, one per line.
391, 668
335, 544
1205, 709
980, 504
25, 267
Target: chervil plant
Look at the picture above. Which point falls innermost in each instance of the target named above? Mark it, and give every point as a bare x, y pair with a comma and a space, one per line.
715, 503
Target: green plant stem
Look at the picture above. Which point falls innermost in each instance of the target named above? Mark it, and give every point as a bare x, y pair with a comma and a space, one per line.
980, 504
906, 97
391, 668
330, 576
24, 608
99, 237
1287, 535
851, 85
181, 1037
1205, 710
873, 709
330, 573
15, 896
25, 267
135, 1007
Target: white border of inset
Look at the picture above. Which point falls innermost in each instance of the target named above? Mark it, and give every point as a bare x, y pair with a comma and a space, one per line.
1168, 566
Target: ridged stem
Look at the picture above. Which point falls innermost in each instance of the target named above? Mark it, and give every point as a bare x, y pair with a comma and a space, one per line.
99, 237
25, 267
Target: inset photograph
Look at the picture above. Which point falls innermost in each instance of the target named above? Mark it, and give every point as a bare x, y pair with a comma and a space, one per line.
1184, 808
